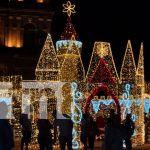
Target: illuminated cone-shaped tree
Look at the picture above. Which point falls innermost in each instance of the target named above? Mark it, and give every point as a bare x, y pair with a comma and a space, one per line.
102, 50
102, 74
128, 70
140, 94
48, 65
140, 73
47, 70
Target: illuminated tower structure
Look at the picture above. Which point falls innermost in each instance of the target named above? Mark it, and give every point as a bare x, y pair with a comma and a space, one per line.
128, 70
140, 94
102, 51
48, 68
68, 52
71, 69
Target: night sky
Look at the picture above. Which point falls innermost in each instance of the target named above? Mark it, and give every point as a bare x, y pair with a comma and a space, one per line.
108, 21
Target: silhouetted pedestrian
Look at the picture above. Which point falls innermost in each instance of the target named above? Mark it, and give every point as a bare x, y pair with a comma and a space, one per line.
113, 136
65, 131
92, 132
6, 132
84, 130
26, 126
45, 135
129, 128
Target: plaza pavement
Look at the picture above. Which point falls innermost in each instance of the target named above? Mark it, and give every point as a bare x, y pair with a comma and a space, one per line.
97, 147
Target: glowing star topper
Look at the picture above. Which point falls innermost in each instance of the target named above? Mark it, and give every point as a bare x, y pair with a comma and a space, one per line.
101, 51
69, 8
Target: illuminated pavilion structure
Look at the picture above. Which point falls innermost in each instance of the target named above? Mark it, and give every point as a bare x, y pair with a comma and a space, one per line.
64, 64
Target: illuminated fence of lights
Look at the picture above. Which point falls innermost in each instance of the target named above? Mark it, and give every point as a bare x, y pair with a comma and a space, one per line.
13, 95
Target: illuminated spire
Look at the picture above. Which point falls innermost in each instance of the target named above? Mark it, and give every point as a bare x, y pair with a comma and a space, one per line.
140, 72
128, 70
69, 28
69, 47
102, 50
48, 66
140, 67
140, 94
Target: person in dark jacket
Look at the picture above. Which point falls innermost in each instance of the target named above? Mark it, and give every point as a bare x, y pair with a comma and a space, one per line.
65, 129
84, 130
113, 136
26, 126
45, 135
6, 132
92, 132
129, 128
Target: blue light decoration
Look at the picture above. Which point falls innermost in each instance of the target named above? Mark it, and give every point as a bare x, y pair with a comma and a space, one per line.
76, 95
147, 106
74, 140
95, 104
61, 43
76, 112
126, 94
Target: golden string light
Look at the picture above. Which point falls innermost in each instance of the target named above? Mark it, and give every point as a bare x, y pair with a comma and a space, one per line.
48, 65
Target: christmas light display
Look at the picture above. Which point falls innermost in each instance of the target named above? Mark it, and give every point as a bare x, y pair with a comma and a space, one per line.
129, 94
128, 70
140, 94
71, 70
102, 87
68, 51
95, 104
14, 94
102, 60
102, 50
40, 92
48, 65
72, 66
76, 113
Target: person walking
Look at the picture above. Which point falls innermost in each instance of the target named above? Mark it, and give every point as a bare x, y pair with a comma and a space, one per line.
92, 132
26, 126
129, 128
45, 135
65, 131
6, 132
84, 130
113, 137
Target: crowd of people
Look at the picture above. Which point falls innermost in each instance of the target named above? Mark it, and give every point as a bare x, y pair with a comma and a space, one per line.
115, 132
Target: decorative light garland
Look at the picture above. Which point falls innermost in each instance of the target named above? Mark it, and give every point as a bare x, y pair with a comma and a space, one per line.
76, 112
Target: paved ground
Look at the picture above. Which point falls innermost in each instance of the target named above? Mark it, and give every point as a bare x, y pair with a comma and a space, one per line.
97, 147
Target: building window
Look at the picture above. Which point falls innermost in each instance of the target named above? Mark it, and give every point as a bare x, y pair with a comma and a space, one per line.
40, 1
29, 36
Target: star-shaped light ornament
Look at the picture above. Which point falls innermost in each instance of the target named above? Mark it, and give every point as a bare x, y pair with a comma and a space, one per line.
69, 8
101, 51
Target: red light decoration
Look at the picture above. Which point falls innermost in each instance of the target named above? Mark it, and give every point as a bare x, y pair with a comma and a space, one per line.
102, 74
104, 88
69, 31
